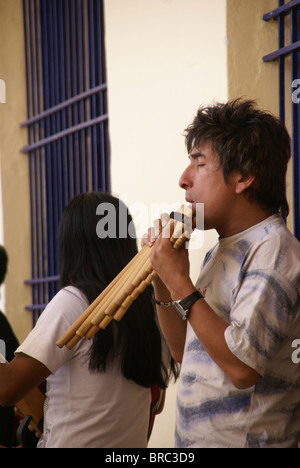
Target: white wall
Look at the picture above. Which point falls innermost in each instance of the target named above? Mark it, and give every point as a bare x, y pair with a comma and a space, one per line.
165, 58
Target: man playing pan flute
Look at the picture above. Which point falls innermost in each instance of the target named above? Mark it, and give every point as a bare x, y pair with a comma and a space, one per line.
234, 329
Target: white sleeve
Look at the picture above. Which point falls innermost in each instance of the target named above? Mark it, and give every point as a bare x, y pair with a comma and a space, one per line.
261, 318
58, 316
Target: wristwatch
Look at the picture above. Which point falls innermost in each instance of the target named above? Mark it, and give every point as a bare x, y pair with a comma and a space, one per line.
183, 306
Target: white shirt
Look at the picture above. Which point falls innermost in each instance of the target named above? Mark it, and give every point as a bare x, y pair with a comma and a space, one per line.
84, 409
251, 280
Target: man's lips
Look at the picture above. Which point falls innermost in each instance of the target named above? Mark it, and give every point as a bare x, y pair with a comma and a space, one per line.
189, 199
191, 202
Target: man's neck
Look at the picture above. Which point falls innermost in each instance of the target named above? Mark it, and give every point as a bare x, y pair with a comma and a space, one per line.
243, 219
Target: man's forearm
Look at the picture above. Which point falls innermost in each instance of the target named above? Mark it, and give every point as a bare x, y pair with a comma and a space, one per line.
172, 326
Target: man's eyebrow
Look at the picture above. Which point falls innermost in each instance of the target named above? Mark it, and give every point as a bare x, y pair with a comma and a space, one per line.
197, 155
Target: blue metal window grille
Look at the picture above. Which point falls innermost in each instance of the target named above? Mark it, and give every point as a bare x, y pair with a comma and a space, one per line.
68, 143
288, 17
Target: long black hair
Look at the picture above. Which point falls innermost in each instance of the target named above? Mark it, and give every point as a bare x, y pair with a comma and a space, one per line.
96, 240
3, 263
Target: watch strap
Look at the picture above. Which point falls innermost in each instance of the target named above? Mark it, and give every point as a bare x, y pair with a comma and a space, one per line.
162, 304
188, 301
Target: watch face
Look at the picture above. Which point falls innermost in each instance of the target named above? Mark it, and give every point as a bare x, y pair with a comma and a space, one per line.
180, 310
185, 304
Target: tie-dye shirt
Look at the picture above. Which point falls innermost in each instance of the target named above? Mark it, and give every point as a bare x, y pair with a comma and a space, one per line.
252, 280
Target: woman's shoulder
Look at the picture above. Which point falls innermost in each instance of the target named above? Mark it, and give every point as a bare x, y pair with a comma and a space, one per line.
61, 312
65, 307
71, 293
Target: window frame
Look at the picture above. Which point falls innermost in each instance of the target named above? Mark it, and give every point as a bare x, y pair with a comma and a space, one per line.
292, 10
67, 124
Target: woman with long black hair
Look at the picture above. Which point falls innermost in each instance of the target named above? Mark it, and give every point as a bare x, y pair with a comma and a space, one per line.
98, 393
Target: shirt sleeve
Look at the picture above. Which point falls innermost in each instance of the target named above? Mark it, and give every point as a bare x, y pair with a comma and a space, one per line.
261, 317
58, 316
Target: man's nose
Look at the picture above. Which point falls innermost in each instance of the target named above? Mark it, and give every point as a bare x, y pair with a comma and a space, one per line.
185, 179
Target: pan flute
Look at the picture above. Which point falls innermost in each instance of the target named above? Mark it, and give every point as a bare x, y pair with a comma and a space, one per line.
117, 297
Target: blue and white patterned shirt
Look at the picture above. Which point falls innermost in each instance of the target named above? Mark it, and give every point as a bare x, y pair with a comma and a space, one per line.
252, 280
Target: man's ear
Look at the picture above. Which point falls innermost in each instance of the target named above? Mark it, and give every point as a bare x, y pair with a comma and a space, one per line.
243, 182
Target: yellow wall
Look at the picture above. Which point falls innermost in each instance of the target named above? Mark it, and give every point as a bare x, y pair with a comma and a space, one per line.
14, 166
249, 39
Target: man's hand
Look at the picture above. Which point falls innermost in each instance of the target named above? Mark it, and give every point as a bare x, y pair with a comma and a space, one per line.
171, 265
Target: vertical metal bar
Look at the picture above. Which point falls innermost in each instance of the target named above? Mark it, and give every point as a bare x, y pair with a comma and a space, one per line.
26, 16
56, 152
88, 135
100, 96
295, 73
104, 153
40, 159
59, 118
281, 43
36, 106
41, 221
81, 106
63, 114
48, 78
74, 65
93, 82
68, 114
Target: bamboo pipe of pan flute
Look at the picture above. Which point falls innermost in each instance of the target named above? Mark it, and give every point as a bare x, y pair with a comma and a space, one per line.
83, 327
104, 312
93, 306
120, 312
116, 302
117, 297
